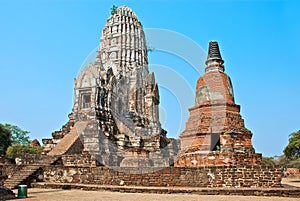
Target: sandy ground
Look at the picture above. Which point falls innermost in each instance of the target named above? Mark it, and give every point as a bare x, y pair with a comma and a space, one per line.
292, 182
36, 194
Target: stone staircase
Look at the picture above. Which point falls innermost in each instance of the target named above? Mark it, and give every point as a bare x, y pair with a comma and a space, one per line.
66, 142
124, 126
20, 177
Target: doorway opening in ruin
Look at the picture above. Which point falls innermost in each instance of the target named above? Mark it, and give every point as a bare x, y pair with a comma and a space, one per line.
215, 142
86, 100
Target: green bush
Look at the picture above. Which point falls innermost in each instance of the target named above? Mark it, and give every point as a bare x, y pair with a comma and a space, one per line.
268, 161
294, 164
292, 150
16, 149
5, 140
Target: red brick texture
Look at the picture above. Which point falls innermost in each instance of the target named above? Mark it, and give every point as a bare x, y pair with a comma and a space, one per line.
216, 114
231, 176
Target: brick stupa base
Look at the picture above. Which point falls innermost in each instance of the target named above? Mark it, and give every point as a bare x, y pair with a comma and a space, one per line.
215, 133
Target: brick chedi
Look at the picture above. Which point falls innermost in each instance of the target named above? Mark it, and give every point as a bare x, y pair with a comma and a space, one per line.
215, 133
114, 122
115, 114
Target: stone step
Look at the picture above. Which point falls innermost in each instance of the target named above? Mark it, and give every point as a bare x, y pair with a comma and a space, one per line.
17, 178
280, 192
66, 143
12, 184
123, 126
27, 171
16, 181
11, 181
11, 187
30, 169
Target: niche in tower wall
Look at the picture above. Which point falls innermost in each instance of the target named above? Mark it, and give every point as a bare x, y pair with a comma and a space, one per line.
215, 142
85, 99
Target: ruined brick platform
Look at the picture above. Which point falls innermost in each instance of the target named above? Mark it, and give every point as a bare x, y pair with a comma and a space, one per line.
202, 177
6, 194
282, 192
114, 139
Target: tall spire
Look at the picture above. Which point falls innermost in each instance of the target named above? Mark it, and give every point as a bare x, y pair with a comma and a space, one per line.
123, 43
214, 59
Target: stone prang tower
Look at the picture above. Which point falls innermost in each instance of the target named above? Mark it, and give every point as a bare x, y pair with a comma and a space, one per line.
115, 113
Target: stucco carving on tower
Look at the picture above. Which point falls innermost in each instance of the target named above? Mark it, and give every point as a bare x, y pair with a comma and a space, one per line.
116, 116
118, 97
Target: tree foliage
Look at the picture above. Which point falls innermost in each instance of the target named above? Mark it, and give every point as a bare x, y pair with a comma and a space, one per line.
5, 139
282, 161
113, 9
294, 163
150, 49
16, 149
292, 150
18, 136
268, 161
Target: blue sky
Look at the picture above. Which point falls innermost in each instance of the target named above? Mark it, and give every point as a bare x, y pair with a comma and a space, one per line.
44, 43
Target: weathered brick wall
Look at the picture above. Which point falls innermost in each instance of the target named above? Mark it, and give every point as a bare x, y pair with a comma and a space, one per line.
218, 158
26, 159
10, 170
76, 147
2, 179
81, 160
7, 170
292, 173
5, 160
239, 176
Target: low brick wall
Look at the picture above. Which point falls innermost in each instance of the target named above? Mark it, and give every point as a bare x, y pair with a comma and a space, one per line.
27, 159
81, 160
235, 176
218, 158
280, 192
4, 160
2, 179
7, 170
292, 173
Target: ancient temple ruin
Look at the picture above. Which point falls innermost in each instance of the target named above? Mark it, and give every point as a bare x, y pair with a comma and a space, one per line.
215, 133
114, 136
115, 114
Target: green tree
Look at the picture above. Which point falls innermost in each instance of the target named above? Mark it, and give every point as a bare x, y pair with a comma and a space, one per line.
113, 9
18, 136
16, 149
292, 150
268, 161
150, 49
5, 139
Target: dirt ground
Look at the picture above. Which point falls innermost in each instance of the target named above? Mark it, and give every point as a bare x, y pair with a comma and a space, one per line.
291, 182
36, 194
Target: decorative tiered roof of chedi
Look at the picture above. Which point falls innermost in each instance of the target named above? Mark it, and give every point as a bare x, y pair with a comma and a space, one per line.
115, 112
215, 133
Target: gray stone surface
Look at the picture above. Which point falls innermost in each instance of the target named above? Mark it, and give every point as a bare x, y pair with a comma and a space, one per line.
117, 98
